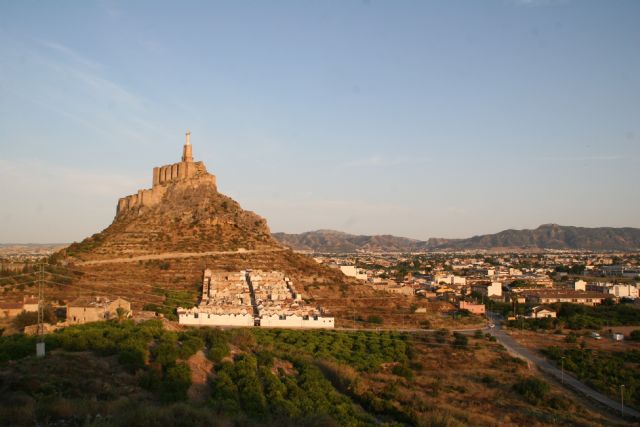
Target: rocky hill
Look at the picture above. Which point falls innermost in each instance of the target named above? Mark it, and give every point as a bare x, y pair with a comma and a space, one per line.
330, 241
553, 236
548, 236
162, 239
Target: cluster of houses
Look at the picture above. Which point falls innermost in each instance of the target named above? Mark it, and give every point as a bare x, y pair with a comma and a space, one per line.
467, 280
81, 310
252, 298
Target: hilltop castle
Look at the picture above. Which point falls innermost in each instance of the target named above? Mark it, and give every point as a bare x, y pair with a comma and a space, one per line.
185, 171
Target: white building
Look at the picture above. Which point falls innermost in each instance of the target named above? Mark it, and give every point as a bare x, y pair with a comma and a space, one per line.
541, 312
493, 289
450, 279
252, 298
624, 291
352, 271
296, 321
580, 285
200, 317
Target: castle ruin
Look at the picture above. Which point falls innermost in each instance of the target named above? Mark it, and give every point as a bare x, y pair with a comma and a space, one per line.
182, 172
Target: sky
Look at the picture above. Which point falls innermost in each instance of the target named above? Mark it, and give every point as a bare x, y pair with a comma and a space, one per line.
415, 118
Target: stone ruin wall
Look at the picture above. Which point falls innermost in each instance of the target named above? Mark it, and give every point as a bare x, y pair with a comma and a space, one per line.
163, 176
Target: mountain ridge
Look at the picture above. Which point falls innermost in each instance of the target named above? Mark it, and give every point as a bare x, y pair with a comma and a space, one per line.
546, 236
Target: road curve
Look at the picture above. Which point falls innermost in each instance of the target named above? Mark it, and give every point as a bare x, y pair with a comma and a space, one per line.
545, 366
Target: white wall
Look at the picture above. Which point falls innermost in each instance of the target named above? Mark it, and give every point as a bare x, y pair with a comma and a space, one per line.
295, 321
206, 319
495, 289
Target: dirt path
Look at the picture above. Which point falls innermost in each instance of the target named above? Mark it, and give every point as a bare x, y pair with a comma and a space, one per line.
174, 255
201, 368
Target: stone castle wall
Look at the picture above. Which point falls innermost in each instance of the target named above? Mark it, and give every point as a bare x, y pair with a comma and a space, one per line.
163, 176
178, 171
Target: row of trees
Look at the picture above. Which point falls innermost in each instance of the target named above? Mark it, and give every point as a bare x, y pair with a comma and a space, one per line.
364, 351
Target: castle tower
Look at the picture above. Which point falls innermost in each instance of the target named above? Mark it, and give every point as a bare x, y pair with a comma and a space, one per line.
187, 155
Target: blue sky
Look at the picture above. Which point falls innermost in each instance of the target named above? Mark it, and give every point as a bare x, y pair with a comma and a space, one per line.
422, 119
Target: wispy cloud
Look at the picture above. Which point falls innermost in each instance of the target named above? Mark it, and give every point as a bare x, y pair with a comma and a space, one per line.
69, 53
76, 87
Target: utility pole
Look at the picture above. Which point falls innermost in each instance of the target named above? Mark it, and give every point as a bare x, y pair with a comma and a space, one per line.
562, 369
40, 348
622, 399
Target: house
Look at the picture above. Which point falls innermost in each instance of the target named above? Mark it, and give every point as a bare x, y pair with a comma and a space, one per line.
30, 304
449, 279
575, 297
492, 289
95, 309
472, 308
10, 309
541, 312
580, 285
352, 271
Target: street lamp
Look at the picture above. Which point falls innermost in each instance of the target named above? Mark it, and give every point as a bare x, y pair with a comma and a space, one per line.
562, 370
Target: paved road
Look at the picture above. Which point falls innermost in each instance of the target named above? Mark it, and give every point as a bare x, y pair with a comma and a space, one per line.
173, 255
544, 365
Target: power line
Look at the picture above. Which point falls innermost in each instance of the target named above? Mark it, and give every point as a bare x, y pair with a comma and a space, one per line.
126, 291
19, 275
172, 307
110, 294
94, 275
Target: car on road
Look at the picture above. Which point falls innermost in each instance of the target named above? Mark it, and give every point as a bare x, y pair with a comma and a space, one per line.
595, 336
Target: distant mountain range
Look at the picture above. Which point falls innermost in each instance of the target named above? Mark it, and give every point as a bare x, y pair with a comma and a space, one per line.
547, 236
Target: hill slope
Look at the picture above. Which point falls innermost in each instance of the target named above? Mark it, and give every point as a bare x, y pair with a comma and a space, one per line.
163, 238
553, 236
548, 236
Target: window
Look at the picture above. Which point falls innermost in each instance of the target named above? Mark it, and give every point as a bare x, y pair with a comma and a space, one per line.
195, 315
282, 317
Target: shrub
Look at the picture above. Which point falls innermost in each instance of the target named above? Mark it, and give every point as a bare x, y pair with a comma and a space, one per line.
16, 347
176, 382
460, 340
402, 371
532, 389
375, 320
133, 356
218, 351
441, 335
635, 335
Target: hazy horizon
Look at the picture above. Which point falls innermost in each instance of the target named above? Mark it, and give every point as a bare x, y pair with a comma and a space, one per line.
416, 119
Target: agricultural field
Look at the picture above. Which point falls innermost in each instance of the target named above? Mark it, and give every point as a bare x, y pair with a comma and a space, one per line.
131, 374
